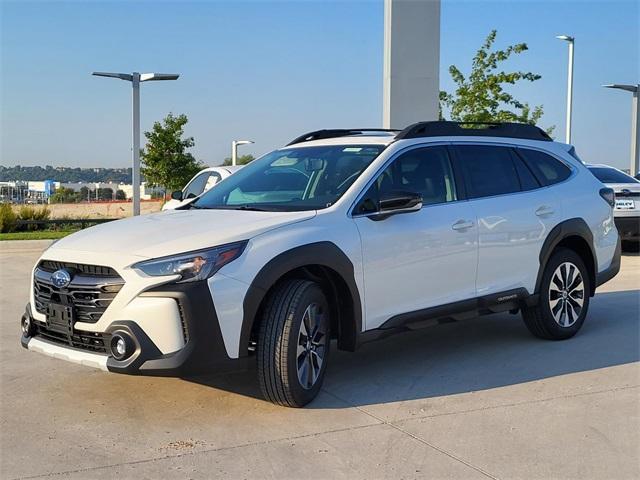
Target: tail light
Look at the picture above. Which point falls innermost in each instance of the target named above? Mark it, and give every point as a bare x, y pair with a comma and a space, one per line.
608, 195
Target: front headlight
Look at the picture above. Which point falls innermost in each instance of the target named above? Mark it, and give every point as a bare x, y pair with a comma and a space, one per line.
192, 266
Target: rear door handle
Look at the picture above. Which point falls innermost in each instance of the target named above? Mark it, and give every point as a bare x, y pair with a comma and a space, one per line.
462, 225
544, 210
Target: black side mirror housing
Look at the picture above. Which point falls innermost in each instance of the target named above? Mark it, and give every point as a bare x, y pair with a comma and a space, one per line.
395, 202
176, 195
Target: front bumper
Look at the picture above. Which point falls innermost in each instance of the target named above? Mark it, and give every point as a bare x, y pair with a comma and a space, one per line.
628, 227
203, 350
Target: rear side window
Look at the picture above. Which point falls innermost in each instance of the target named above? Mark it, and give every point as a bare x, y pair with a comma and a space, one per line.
547, 169
527, 180
488, 170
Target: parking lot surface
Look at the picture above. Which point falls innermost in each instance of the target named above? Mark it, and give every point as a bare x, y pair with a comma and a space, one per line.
474, 399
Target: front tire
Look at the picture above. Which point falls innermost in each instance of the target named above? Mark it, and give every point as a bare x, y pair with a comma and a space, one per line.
563, 300
293, 345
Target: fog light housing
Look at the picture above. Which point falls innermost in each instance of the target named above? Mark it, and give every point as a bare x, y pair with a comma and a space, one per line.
27, 326
122, 346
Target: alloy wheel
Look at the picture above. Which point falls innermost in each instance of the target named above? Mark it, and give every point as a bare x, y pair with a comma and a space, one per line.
312, 343
566, 294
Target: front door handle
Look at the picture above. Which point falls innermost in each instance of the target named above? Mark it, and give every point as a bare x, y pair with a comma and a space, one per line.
462, 225
544, 211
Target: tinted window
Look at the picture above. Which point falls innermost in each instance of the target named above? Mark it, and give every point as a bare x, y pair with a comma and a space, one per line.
488, 170
426, 171
527, 179
611, 175
547, 169
196, 186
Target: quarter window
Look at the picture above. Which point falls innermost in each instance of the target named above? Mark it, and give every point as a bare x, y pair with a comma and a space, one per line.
488, 170
547, 169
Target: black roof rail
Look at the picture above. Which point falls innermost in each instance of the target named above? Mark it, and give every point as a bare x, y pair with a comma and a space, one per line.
470, 129
336, 132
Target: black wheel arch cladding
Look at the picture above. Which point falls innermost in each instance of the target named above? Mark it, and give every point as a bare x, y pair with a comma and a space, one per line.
323, 254
559, 236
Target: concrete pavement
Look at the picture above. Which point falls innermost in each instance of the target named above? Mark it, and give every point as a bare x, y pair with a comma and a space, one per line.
476, 399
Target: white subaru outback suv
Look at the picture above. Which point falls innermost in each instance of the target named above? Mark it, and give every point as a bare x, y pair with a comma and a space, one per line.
343, 234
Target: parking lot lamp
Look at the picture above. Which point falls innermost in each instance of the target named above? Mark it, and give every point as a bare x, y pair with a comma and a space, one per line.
570, 40
234, 149
634, 167
136, 78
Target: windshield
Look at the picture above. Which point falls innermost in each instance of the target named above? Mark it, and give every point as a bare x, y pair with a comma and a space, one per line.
302, 178
611, 175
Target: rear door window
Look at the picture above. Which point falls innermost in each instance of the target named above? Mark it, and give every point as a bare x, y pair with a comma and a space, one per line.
488, 170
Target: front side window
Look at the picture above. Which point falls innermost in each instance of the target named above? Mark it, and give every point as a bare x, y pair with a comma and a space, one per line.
547, 169
426, 171
297, 178
196, 186
488, 170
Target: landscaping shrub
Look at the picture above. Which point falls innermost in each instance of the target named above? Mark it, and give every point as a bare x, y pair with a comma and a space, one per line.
7, 218
27, 212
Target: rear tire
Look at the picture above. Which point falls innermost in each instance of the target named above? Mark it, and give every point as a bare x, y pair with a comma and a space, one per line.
563, 298
293, 346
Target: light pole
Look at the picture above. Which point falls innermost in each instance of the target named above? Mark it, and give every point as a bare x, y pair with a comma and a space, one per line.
570, 40
635, 124
136, 78
234, 149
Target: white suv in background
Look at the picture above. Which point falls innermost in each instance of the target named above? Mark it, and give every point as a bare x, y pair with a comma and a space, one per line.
200, 183
343, 234
626, 212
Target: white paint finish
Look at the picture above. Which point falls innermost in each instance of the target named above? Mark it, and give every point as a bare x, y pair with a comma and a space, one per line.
228, 296
87, 359
417, 260
511, 237
165, 233
411, 62
160, 320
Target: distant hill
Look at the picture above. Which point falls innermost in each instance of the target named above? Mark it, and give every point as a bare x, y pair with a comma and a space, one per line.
65, 174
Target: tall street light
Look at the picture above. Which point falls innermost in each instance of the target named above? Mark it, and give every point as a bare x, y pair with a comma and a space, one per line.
570, 40
234, 149
136, 78
635, 124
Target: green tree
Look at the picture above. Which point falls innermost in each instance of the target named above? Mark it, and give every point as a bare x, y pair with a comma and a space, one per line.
480, 97
242, 160
165, 160
121, 195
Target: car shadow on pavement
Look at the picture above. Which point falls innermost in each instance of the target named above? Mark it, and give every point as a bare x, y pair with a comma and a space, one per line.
478, 354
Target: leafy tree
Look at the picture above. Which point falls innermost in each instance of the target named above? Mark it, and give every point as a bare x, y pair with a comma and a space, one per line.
480, 97
105, 193
64, 195
165, 160
121, 195
242, 160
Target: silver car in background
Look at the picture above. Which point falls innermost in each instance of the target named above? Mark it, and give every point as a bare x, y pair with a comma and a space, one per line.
200, 183
626, 211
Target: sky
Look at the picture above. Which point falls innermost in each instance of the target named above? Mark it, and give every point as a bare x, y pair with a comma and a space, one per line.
268, 71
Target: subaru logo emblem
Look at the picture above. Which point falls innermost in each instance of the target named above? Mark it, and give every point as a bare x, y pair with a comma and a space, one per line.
60, 278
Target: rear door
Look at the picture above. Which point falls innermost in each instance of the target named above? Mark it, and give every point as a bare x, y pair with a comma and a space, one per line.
514, 211
420, 259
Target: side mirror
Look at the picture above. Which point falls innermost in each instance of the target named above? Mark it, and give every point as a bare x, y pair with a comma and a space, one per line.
393, 203
176, 195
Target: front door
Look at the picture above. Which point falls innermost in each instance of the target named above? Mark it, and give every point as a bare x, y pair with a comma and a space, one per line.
422, 259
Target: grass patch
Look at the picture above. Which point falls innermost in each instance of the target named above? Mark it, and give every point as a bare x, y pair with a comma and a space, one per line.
36, 235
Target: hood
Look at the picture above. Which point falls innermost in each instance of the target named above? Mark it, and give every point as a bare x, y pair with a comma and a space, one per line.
176, 231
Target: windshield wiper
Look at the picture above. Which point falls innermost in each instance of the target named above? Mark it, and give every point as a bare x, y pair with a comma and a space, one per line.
249, 207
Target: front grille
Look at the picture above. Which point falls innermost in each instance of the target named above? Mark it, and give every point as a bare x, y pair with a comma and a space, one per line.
90, 341
89, 294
